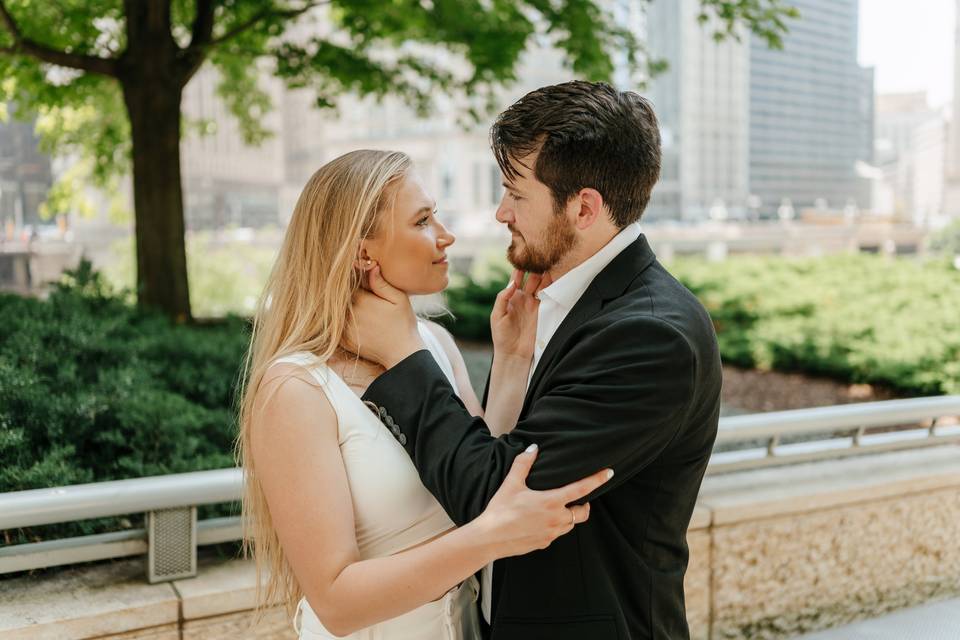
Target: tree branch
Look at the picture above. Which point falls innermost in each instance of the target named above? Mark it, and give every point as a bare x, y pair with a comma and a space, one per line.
202, 23
22, 45
202, 40
262, 15
195, 53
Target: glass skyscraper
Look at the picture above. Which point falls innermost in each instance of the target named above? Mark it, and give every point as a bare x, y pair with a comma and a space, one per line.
811, 111
746, 128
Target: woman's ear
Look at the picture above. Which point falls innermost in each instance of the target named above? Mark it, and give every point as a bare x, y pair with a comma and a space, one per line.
363, 261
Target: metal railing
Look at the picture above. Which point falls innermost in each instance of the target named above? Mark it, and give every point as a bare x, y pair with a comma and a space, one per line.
806, 435
169, 541
172, 533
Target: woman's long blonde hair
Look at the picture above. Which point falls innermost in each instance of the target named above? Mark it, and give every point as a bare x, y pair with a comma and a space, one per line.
305, 306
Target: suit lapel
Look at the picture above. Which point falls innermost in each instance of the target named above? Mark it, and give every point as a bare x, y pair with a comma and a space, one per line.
610, 283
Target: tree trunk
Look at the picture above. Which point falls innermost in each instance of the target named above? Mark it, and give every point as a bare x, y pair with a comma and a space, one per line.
152, 82
158, 199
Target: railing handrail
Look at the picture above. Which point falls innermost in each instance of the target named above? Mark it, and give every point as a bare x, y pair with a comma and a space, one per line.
35, 507
883, 413
118, 497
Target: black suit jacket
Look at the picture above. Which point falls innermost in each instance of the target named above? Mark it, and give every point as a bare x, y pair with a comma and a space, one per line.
630, 380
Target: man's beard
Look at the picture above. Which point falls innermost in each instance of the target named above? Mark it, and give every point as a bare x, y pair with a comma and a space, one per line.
558, 240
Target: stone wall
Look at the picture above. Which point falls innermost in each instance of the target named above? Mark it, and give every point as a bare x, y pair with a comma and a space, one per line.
808, 547
114, 601
773, 553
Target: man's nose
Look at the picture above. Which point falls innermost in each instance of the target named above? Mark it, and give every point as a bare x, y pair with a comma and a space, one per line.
504, 214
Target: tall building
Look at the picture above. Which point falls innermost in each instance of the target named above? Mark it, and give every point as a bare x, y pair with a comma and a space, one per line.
951, 192
702, 105
227, 182
25, 174
811, 111
953, 158
746, 128
910, 150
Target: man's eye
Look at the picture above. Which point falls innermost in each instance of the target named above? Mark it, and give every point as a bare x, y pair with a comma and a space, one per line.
514, 197
422, 222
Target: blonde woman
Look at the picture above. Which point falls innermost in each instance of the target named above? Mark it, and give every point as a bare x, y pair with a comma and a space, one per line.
353, 543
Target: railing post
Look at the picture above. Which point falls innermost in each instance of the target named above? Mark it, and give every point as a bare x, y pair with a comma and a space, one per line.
772, 444
172, 544
858, 435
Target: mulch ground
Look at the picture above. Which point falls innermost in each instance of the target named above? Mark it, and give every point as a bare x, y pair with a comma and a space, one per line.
753, 391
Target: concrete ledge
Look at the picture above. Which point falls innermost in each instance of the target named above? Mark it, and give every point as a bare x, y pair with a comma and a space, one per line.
88, 602
274, 626
113, 600
804, 548
219, 587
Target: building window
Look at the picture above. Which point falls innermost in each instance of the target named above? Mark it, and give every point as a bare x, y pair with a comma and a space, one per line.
446, 181
496, 186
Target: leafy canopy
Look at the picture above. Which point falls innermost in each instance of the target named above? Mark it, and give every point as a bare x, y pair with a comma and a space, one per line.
61, 61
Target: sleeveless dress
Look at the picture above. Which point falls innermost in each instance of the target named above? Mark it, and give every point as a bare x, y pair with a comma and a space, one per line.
393, 511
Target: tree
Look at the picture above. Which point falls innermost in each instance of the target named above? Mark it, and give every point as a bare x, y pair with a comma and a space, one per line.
107, 76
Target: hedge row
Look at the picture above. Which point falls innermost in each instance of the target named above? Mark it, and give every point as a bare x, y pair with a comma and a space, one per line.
857, 318
93, 389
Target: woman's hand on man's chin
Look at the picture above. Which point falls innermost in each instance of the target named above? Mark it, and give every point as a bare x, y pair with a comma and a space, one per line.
513, 320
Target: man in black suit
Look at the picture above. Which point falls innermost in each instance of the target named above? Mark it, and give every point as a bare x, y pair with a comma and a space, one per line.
626, 375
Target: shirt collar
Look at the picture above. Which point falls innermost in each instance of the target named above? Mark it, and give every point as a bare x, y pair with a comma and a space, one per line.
567, 289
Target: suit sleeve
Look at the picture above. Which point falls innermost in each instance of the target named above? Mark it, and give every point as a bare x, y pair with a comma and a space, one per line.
616, 399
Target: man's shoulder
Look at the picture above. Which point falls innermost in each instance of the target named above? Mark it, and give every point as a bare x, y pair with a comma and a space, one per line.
657, 298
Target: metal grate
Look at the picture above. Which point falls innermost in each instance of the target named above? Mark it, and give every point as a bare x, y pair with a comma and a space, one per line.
172, 535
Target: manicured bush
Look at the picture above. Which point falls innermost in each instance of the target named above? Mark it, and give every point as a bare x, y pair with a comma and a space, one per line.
92, 388
857, 318
470, 300
947, 240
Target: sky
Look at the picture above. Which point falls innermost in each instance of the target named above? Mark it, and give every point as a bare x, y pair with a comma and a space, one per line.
910, 45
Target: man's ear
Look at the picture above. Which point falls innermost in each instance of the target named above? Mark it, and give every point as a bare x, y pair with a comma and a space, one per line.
591, 208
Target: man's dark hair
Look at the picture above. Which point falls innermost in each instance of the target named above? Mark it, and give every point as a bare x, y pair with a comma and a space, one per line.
589, 135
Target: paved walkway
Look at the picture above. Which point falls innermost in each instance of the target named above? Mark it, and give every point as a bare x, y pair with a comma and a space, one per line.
933, 621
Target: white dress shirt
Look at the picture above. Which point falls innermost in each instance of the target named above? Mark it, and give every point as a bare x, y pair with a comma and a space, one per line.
556, 301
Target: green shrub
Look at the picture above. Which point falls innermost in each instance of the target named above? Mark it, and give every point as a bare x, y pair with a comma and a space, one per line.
947, 240
856, 318
470, 300
92, 389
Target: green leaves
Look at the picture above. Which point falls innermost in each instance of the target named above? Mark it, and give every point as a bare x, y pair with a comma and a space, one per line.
767, 19
409, 48
860, 318
947, 240
93, 389
470, 301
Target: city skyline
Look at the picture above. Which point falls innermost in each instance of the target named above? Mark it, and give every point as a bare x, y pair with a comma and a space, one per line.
905, 44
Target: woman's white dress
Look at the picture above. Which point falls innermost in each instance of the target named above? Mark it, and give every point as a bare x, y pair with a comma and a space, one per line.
392, 509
